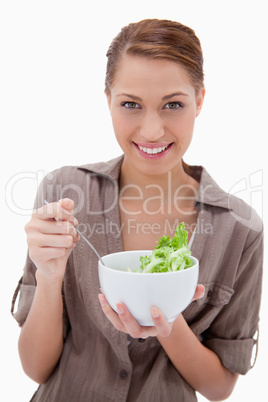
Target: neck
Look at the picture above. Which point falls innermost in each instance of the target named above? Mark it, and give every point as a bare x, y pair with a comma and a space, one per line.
173, 182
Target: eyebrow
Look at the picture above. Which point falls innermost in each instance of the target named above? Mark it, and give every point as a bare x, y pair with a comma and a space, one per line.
174, 94
134, 97
130, 96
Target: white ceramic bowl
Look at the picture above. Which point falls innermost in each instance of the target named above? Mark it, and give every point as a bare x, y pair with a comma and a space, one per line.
171, 292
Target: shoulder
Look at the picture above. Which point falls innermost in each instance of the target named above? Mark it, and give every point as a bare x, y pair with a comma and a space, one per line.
244, 214
232, 211
76, 174
93, 184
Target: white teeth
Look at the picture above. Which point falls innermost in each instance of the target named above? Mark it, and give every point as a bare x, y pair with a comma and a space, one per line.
152, 150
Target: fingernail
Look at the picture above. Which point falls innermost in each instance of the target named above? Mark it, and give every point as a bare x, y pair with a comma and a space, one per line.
154, 312
75, 221
120, 308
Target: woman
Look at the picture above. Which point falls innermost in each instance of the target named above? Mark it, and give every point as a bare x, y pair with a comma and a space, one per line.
71, 341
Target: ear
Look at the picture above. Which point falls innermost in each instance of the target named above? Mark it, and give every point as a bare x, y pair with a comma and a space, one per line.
199, 101
108, 96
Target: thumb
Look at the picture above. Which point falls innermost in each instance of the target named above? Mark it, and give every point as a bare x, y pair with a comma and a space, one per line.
199, 292
67, 204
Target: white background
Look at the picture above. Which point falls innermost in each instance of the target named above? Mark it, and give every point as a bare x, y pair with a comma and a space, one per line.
53, 112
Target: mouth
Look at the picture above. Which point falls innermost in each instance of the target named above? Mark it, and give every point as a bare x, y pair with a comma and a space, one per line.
155, 151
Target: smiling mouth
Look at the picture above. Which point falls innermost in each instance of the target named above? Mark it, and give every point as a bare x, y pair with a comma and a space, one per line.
153, 150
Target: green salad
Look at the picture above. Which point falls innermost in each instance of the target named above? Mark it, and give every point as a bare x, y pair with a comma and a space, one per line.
170, 254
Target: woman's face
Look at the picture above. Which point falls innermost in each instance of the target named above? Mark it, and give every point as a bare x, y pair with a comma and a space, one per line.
153, 106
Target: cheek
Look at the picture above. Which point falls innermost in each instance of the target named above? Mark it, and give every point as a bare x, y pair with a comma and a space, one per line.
189, 120
123, 125
184, 125
116, 121
121, 129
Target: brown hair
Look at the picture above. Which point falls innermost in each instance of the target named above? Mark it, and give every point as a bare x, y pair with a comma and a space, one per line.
157, 39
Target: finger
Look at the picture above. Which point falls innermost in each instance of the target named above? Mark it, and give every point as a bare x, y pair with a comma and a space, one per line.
131, 325
162, 326
65, 227
54, 211
52, 227
111, 314
67, 204
199, 292
47, 240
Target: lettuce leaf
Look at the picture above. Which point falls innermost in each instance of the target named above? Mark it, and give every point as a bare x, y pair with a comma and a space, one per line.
170, 254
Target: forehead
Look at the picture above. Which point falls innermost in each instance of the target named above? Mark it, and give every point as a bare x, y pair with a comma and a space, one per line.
137, 73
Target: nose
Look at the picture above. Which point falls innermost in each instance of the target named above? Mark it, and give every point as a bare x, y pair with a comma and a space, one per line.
152, 127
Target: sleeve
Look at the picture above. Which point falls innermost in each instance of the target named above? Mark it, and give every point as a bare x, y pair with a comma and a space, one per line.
25, 290
232, 335
27, 284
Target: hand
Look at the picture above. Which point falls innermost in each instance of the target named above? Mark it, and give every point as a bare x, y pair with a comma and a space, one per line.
125, 322
51, 237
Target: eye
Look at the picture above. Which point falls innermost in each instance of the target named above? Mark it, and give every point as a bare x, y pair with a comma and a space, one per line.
130, 105
173, 105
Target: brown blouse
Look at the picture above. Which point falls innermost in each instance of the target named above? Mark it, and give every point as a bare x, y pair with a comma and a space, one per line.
97, 364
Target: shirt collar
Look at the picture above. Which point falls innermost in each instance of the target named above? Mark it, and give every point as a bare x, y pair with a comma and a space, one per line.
208, 193
110, 169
